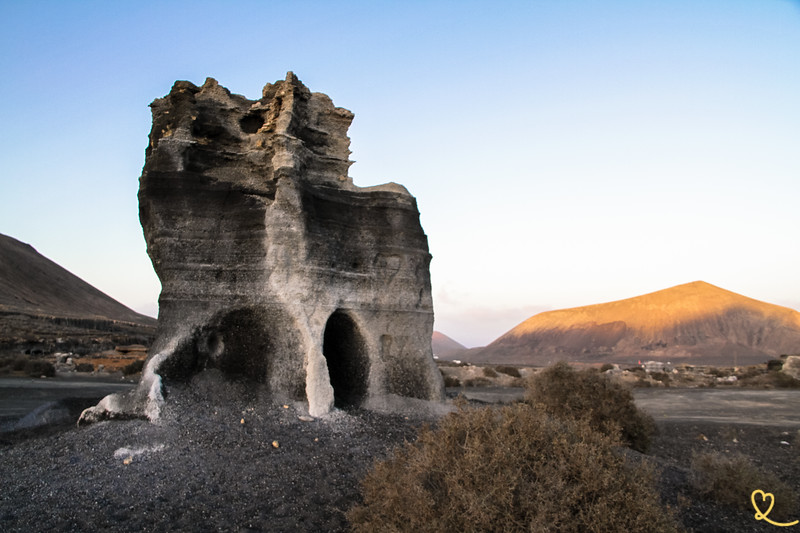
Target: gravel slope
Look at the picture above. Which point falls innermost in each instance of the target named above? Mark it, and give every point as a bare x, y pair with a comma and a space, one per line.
201, 469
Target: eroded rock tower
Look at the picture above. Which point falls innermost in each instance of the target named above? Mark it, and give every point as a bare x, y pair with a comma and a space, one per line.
274, 267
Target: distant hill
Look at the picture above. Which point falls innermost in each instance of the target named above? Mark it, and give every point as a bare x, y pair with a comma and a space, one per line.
444, 346
41, 302
695, 323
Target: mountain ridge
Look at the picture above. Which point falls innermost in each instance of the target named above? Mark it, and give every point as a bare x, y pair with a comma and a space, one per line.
444, 346
30, 283
44, 308
695, 322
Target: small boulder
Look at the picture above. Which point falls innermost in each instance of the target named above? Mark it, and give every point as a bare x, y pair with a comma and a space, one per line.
792, 366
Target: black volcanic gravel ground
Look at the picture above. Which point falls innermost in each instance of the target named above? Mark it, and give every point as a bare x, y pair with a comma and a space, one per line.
201, 469
198, 469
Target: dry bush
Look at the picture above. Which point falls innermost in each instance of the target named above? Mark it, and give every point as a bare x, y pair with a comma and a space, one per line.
509, 371
6, 364
133, 368
509, 469
774, 365
731, 479
451, 381
719, 372
489, 372
477, 382
39, 368
608, 405
784, 381
772, 380
663, 377
750, 372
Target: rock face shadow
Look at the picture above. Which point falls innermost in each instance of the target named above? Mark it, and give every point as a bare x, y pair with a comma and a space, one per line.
347, 359
275, 268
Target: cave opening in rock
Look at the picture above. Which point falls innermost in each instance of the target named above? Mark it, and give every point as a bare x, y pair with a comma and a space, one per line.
237, 344
245, 345
346, 355
251, 123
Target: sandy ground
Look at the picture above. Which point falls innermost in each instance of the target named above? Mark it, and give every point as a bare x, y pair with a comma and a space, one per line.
201, 469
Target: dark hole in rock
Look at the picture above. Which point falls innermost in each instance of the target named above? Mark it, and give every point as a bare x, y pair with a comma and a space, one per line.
240, 345
251, 123
237, 344
346, 355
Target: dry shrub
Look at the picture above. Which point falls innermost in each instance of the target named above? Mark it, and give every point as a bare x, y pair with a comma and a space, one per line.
509, 371
750, 372
773, 380
509, 469
489, 372
39, 368
774, 365
731, 479
663, 377
719, 372
608, 406
6, 364
785, 381
477, 382
451, 381
133, 368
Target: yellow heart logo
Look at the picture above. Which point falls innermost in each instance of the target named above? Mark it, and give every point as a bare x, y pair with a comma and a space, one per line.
763, 515
764, 497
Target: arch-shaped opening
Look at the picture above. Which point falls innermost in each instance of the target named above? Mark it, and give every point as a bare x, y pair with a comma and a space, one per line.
346, 355
240, 345
236, 343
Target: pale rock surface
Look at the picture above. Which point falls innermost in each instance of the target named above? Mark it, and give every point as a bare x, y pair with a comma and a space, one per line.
792, 366
275, 268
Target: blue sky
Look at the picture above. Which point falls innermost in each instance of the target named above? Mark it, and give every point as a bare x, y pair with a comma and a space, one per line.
562, 152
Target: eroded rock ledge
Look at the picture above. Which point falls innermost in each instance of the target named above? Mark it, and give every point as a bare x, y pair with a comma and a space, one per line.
275, 268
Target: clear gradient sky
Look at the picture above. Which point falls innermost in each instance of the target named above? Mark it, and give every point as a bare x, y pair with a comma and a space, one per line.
562, 152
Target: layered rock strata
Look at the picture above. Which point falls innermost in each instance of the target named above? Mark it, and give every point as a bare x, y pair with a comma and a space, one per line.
275, 268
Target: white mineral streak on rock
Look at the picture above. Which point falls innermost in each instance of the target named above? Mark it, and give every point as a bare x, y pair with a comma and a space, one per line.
152, 382
125, 452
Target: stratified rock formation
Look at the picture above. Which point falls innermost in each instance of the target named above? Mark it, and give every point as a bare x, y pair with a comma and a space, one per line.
45, 308
274, 267
694, 323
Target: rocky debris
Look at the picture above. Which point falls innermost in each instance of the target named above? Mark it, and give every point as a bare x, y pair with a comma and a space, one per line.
275, 268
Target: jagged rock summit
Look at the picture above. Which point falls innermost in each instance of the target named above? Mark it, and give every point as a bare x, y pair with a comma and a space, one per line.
275, 268
696, 323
